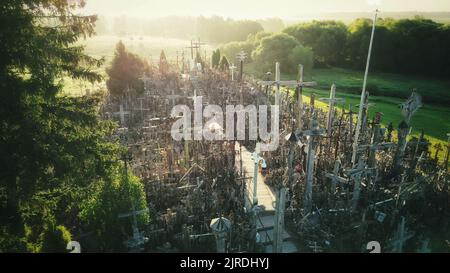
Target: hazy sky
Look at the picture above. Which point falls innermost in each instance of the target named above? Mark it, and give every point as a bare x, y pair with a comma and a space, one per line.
254, 8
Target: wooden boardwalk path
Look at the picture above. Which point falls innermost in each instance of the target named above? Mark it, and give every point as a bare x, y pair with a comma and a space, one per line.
266, 198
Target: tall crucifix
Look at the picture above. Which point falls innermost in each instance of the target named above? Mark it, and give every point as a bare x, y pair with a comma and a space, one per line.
311, 135
331, 102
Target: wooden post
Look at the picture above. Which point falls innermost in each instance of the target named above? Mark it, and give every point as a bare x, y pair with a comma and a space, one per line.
279, 221
363, 93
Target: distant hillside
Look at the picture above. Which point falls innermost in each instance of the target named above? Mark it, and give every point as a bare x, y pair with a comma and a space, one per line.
443, 17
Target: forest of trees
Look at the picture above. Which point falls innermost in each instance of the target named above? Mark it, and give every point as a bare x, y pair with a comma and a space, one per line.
60, 173
406, 46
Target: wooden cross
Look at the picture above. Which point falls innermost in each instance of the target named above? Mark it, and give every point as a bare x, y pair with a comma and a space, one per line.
290, 83
331, 101
173, 97
311, 134
377, 137
279, 221
356, 175
299, 91
122, 114
196, 46
419, 142
142, 109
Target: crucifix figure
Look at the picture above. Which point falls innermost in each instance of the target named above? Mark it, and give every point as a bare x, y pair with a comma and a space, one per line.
121, 114
356, 175
331, 102
311, 135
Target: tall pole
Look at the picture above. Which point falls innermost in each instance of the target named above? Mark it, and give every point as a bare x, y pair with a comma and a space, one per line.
300, 98
363, 94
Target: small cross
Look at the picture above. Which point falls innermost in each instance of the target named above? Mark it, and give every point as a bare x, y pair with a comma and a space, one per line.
122, 114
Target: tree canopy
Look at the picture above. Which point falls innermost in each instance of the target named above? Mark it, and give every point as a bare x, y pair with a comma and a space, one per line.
55, 149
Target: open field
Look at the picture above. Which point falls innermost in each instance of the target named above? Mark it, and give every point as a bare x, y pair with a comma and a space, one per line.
390, 89
432, 118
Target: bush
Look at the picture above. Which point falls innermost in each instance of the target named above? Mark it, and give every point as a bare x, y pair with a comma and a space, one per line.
282, 48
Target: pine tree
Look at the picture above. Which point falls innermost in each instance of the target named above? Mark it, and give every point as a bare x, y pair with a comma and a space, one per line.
54, 149
125, 71
215, 60
163, 64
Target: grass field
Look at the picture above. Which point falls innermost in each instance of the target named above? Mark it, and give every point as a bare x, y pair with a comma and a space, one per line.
432, 118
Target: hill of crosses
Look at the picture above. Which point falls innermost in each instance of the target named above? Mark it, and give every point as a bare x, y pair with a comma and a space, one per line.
307, 195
